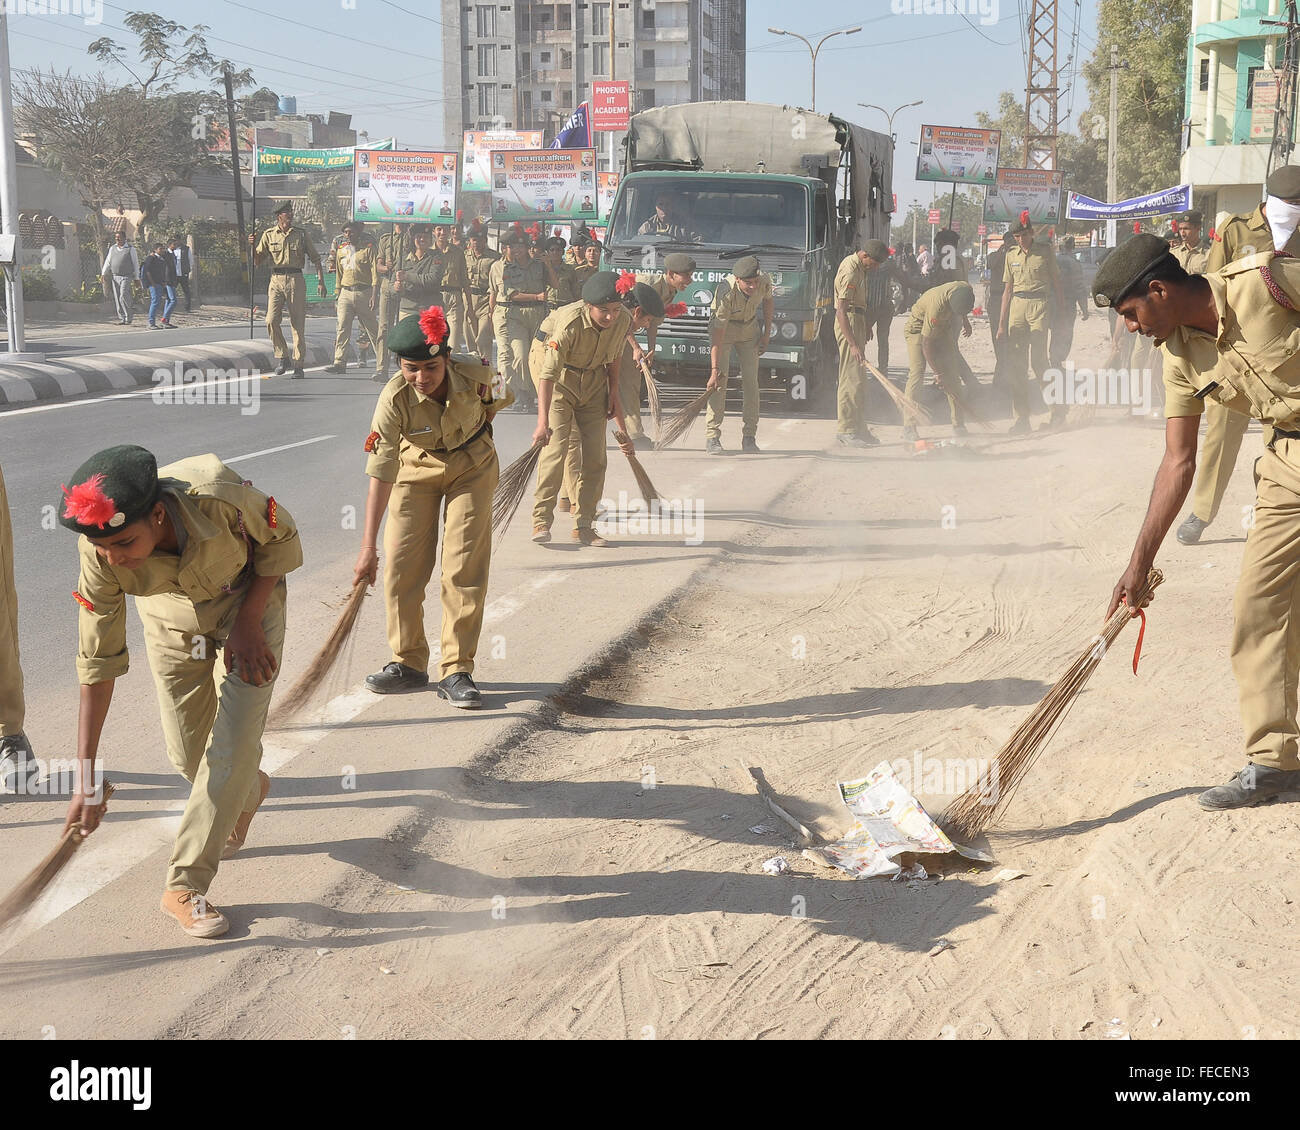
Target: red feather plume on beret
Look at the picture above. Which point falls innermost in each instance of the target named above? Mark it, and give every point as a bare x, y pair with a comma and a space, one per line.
1137, 227
434, 325
676, 310
626, 281
87, 504
459, 215
1024, 218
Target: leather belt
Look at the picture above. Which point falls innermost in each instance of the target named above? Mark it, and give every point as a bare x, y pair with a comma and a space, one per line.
1285, 434
478, 290
1029, 294
355, 286
487, 427
286, 270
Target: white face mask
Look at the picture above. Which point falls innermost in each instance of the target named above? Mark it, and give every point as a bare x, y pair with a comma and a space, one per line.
1283, 219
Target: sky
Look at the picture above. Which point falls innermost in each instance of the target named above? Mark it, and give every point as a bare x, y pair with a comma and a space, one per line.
380, 60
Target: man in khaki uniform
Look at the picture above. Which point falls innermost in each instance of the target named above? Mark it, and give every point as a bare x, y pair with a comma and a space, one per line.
937, 321
1033, 283
576, 361
478, 306
288, 249
391, 253
1229, 337
1074, 302
15, 751
430, 458
736, 306
852, 332
590, 262
454, 281
205, 556
679, 272
517, 289
354, 262
1240, 236
562, 286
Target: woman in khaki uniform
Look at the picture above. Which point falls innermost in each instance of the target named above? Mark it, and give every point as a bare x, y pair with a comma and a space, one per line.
430, 457
478, 305
205, 555
737, 304
679, 272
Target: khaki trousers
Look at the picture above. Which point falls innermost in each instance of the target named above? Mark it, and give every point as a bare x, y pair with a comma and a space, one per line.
572, 453
1026, 346
852, 394
516, 328
453, 307
212, 722
579, 411
354, 304
11, 674
388, 305
748, 352
1224, 431
630, 379
288, 292
478, 328
456, 487
953, 365
1266, 629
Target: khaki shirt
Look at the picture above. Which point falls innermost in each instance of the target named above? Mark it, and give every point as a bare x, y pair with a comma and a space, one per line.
1247, 234
290, 248
1193, 259
408, 428
933, 316
356, 264
389, 249
505, 280
738, 313
233, 533
582, 273
455, 276
1071, 272
1029, 274
662, 287
568, 291
1251, 364
477, 269
575, 350
851, 283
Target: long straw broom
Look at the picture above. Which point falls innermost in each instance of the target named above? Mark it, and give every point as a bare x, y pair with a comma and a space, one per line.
320, 667
969, 814
644, 485
679, 423
907, 407
512, 486
21, 898
652, 397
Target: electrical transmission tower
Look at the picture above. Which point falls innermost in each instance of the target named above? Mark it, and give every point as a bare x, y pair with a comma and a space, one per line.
1041, 87
1284, 112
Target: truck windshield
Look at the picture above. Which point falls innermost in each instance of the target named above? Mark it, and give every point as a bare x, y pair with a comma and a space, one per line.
716, 212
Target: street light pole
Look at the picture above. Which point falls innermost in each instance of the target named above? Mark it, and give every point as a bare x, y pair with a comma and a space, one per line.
9, 208
906, 106
813, 51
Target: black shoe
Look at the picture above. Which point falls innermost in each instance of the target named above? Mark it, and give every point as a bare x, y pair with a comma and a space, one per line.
1189, 533
459, 690
1250, 786
397, 677
848, 439
959, 430
380, 378
643, 443
329, 369
713, 447
1020, 428
869, 438
297, 373
280, 367
749, 446
909, 434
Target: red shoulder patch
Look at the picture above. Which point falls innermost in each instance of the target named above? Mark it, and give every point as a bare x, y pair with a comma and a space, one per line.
83, 601
372, 441
272, 512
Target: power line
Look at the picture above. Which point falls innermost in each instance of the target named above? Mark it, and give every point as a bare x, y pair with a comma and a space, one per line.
325, 31
974, 27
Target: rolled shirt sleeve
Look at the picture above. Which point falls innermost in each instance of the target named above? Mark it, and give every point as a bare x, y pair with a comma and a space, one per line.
101, 620
384, 442
277, 549
1180, 388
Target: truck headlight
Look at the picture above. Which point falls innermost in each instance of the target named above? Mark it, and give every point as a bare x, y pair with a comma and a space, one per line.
790, 331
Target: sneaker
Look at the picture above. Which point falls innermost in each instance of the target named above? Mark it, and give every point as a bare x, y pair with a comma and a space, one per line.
459, 690
909, 434
749, 446
1250, 786
1020, 427
1189, 533
563, 505
152, 326
335, 368
585, 535
280, 367
168, 326
713, 446
848, 439
198, 917
239, 834
379, 378
397, 677
541, 534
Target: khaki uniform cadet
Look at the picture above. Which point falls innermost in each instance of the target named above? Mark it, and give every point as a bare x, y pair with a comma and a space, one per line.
679, 270
355, 264
590, 262
518, 292
932, 332
205, 555
1249, 362
994, 292
1241, 235
430, 456
562, 286
14, 747
478, 309
454, 280
852, 332
576, 364
1074, 301
1032, 286
389, 252
420, 281
735, 327
288, 248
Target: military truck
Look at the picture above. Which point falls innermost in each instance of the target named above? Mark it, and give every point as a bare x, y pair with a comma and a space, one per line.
721, 180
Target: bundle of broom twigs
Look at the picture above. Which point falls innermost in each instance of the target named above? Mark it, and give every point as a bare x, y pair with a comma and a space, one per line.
644, 485
909, 409
680, 422
21, 898
652, 397
967, 816
512, 486
320, 667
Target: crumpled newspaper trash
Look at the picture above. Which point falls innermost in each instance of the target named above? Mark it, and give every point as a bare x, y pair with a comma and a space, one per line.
889, 822
776, 865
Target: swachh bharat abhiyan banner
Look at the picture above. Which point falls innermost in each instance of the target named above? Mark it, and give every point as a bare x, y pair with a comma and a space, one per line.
552, 183
408, 186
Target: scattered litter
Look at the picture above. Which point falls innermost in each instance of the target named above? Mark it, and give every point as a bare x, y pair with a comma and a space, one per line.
1085, 1025
323, 952
1156, 1022
939, 946
760, 829
889, 822
1208, 565
1116, 1030
726, 816
916, 871
1009, 873
400, 887
385, 969
776, 865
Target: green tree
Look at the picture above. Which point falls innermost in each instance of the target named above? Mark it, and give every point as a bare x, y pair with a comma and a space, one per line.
1010, 119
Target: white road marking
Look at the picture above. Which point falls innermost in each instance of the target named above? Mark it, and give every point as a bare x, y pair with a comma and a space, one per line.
116, 396
273, 450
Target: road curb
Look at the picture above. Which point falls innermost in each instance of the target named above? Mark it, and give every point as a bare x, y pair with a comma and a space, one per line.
114, 372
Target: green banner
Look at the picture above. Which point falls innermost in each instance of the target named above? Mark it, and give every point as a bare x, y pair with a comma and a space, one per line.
274, 162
